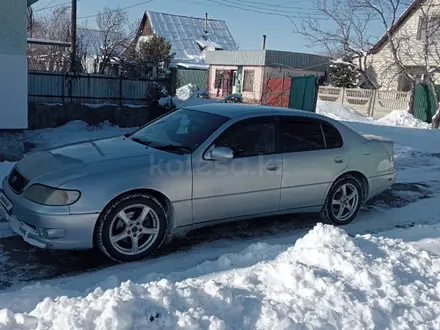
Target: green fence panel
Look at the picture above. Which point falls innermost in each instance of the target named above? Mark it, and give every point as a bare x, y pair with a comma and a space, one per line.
424, 102
191, 76
304, 93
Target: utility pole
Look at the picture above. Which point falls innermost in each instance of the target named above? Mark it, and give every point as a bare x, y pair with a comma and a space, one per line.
73, 36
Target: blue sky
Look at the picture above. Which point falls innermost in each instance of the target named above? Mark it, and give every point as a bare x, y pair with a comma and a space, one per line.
247, 23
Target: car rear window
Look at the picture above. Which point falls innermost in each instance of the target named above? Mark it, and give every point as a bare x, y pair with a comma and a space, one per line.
297, 136
333, 138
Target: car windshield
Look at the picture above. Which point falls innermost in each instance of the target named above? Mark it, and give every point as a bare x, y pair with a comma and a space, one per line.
182, 130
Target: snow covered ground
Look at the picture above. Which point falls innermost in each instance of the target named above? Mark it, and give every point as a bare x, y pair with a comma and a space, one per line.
380, 272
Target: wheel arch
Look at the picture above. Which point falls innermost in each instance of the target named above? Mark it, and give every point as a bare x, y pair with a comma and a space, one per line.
358, 176
160, 197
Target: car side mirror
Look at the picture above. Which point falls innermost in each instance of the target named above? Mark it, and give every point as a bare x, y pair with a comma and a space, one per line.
221, 153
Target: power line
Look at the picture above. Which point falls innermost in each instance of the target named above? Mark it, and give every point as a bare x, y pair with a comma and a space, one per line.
64, 4
300, 13
114, 10
265, 12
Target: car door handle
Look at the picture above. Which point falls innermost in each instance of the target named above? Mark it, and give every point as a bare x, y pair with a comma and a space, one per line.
272, 167
339, 160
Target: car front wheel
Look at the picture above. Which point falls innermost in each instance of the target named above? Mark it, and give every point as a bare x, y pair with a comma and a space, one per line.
343, 201
132, 228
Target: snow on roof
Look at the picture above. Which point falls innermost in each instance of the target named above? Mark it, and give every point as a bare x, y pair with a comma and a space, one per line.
189, 65
187, 36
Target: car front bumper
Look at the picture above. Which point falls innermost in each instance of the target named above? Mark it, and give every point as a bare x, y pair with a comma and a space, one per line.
60, 231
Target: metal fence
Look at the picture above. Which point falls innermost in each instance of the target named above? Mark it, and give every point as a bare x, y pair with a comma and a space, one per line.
373, 103
53, 88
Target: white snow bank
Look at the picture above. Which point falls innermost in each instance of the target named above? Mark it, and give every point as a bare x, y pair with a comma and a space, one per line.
394, 118
71, 132
402, 118
340, 112
327, 280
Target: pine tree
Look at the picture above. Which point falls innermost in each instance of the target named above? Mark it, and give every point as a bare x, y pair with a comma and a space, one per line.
154, 52
343, 74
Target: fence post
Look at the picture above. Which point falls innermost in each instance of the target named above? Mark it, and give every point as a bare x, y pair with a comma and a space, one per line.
120, 90
63, 88
373, 103
343, 95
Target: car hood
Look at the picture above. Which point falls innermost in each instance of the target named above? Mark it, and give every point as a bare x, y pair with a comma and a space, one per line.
65, 163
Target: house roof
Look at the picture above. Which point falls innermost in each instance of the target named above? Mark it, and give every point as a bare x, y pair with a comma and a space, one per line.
270, 58
402, 20
187, 37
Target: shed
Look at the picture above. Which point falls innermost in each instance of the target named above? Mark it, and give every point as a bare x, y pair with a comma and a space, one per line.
248, 71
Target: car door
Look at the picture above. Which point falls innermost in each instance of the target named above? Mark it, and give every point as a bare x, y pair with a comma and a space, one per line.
246, 185
313, 155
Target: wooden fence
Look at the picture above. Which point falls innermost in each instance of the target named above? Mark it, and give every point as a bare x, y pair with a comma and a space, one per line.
60, 88
373, 103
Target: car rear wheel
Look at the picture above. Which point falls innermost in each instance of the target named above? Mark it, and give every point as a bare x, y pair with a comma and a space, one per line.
343, 201
132, 228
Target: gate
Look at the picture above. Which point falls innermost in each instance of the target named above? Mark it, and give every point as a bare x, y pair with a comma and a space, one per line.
277, 91
424, 103
304, 93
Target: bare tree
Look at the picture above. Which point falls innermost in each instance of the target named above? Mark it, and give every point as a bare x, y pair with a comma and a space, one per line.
405, 53
114, 36
30, 17
412, 53
52, 27
344, 33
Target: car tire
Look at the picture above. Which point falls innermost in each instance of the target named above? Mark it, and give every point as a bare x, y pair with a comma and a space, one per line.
330, 212
120, 227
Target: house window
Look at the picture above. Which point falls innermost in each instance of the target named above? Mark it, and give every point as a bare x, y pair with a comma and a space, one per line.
432, 27
248, 81
219, 78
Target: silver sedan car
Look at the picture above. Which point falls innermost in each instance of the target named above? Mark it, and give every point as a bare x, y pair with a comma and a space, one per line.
193, 167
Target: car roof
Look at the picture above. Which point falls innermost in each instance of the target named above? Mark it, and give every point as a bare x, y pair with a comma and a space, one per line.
235, 110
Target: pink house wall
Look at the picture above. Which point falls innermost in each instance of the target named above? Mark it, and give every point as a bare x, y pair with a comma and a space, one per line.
260, 75
248, 97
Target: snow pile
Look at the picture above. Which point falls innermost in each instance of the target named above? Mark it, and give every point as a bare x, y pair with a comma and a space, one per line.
187, 95
328, 280
74, 131
186, 92
341, 112
402, 118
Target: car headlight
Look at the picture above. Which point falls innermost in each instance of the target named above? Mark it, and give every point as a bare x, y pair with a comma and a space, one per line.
51, 196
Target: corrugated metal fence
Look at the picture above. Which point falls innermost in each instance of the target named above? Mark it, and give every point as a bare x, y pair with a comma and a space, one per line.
191, 76
48, 87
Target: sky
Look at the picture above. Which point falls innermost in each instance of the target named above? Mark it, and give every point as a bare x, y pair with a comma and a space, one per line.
248, 20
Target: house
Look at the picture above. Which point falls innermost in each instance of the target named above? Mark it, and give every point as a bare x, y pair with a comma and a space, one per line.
246, 71
190, 37
94, 47
13, 64
408, 32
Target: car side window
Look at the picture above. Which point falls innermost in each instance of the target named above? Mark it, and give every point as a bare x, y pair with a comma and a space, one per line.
298, 135
249, 138
333, 138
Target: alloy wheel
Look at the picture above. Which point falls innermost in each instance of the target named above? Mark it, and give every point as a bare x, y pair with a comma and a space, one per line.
134, 229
